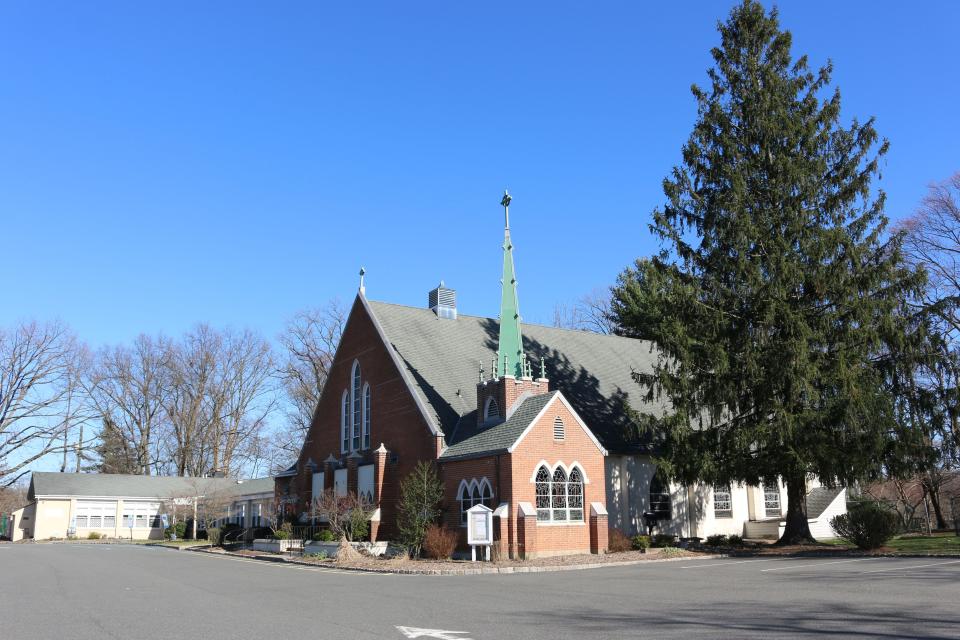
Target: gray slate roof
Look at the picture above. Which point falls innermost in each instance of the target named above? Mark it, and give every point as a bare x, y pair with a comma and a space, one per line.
471, 439
819, 499
115, 485
592, 371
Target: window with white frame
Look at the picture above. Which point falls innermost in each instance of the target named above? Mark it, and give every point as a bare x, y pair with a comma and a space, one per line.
96, 515
345, 423
141, 515
722, 501
357, 401
660, 503
491, 410
559, 433
366, 416
473, 493
559, 496
771, 499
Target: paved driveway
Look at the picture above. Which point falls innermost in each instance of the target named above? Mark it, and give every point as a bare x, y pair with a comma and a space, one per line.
126, 592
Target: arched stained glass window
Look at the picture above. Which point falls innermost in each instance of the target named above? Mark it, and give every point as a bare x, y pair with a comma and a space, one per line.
543, 494
356, 401
366, 416
558, 495
345, 423
575, 495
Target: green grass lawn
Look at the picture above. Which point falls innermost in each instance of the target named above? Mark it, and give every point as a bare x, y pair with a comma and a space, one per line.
937, 543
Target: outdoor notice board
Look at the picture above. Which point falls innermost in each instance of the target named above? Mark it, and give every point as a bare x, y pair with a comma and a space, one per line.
480, 525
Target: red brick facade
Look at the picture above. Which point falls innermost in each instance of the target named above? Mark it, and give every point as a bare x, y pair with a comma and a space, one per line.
398, 423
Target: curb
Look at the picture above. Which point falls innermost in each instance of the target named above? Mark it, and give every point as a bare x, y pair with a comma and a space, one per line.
462, 572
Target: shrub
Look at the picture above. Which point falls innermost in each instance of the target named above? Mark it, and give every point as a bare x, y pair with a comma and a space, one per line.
284, 532
180, 529
662, 540
671, 551
868, 526
421, 493
640, 543
324, 536
439, 542
718, 540
213, 536
735, 541
93, 535
320, 555
618, 541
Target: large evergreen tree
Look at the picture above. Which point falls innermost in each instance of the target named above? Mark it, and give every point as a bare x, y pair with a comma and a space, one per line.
774, 300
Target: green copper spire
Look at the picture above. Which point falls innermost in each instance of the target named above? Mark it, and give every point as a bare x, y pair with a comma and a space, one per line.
510, 348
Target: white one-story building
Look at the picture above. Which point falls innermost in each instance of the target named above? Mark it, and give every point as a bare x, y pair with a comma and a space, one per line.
133, 506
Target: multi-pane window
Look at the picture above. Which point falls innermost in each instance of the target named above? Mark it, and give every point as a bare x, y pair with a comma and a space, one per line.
357, 405
771, 498
141, 515
366, 416
559, 497
558, 430
81, 522
660, 497
95, 515
345, 423
474, 493
722, 501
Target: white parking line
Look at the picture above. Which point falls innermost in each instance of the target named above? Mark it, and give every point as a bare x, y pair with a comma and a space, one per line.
916, 566
817, 564
727, 564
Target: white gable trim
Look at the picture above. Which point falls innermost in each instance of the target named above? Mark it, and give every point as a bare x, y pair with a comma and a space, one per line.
576, 417
424, 411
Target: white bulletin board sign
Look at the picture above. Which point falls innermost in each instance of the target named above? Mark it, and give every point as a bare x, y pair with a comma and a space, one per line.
480, 528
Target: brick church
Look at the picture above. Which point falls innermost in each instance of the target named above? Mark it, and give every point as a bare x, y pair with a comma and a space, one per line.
531, 421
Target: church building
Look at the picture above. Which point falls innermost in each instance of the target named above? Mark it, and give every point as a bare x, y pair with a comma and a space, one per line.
531, 421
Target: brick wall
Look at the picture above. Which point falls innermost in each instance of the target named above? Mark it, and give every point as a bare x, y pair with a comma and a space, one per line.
539, 444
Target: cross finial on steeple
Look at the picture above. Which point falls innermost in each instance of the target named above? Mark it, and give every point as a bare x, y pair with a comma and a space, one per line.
363, 289
505, 203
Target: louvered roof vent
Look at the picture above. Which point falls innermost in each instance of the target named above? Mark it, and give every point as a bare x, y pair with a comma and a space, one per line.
443, 302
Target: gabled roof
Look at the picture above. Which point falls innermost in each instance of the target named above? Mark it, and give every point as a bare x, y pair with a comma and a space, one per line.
819, 499
116, 485
470, 439
441, 358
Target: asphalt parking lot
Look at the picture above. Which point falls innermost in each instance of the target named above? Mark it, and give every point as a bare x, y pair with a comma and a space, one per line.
115, 591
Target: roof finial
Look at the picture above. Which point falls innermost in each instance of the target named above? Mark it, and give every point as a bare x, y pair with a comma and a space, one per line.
505, 203
363, 289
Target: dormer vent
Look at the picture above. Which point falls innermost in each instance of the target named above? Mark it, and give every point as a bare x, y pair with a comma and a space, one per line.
443, 302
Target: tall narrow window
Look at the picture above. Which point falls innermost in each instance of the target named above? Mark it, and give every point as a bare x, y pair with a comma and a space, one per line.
722, 501
543, 494
356, 397
660, 497
558, 430
771, 499
474, 493
558, 495
345, 423
575, 495
366, 416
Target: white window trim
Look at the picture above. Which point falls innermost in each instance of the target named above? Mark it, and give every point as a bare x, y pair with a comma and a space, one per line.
365, 426
583, 496
566, 469
576, 418
356, 409
344, 422
465, 494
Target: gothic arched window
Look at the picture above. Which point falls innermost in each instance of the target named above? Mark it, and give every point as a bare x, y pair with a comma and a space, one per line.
575, 495
345, 423
366, 416
474, 493
356, 402
558, 495
543, 493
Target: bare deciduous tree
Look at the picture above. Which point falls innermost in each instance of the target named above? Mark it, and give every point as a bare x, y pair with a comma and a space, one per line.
591, 312
129, 386
311, 338
38, 380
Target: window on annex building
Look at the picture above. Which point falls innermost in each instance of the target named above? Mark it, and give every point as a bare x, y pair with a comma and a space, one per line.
559, 496
473, 493
660, 497
722, 501
771, 499
357, 402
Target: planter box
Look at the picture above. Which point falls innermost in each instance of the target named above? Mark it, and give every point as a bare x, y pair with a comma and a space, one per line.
276, 546
330, 548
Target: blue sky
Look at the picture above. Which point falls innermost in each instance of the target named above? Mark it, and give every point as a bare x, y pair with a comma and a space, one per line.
168, 163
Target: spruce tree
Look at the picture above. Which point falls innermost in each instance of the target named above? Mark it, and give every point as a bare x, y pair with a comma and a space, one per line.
115, 453
774, 299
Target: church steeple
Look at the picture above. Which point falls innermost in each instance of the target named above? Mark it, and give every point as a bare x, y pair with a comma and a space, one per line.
511, 360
